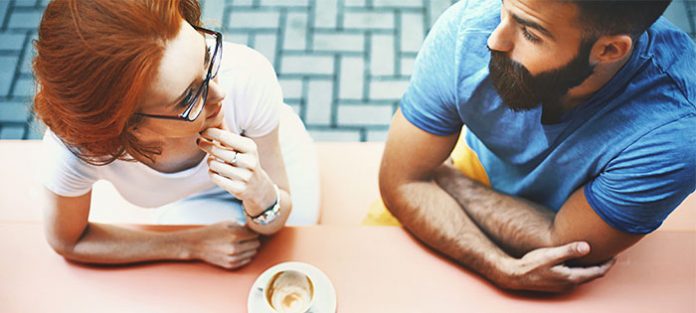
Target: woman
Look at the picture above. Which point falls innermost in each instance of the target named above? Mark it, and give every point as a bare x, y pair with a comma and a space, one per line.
137, 93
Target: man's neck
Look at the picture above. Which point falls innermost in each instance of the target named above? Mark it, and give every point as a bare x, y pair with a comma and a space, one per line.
579, 94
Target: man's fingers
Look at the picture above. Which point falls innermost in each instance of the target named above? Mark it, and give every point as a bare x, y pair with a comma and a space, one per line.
580, 275
573, 250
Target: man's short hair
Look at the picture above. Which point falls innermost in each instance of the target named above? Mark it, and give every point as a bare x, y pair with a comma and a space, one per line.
616, 17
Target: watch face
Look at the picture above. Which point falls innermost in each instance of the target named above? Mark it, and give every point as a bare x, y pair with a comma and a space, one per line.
268, 216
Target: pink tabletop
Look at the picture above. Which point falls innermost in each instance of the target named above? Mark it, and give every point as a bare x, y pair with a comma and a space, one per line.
374, 269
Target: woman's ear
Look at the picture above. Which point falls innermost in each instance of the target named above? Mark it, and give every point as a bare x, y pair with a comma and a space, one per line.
610, 49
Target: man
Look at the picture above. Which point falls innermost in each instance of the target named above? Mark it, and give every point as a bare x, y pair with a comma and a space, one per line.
578, 137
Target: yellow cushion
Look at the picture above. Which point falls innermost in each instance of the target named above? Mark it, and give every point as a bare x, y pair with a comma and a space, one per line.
378, 215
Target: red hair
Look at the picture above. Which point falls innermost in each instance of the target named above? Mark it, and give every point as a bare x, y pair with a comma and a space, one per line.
95, 60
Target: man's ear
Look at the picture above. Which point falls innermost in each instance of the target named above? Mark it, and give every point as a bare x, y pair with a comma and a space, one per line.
610, 49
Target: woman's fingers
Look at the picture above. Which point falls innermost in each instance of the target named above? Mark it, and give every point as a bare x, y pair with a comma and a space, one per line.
235, 187
230, 140
233, 157
231, 172
246, 246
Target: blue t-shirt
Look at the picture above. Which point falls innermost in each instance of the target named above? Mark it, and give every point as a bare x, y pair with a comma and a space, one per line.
632, 145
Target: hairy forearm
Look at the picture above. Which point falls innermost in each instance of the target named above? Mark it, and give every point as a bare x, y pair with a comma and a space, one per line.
429, 213
110, 244
515, 224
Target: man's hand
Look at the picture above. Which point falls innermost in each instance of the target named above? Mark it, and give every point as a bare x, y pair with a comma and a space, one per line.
542, 269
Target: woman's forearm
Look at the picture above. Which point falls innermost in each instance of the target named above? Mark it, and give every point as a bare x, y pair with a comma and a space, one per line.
110, 244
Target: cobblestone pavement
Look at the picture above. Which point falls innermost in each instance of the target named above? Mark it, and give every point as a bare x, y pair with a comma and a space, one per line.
343, 64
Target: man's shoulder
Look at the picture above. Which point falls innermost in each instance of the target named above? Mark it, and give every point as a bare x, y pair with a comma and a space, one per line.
673, 52
471, 16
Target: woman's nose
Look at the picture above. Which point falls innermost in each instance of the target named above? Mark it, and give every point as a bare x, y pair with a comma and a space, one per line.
215, 91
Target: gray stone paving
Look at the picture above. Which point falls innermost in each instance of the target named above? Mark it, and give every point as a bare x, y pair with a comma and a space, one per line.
343, 64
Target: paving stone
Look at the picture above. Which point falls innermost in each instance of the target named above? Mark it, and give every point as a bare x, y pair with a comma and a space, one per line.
339, 42
24, 88
285, 3
254, 19
354, 3
307, 64
242, 3
29, 54
321, 56
266, 44
12, 42
4, 8
351, 78
326, 14
368, 20
387, 90
14, 112
319, 100
24, 3
407, 66
240, 38
24, 20
213, 13
412, 32
292, 88
8, 64
295, 31
382, 55
11, 132
359, 115
398, 3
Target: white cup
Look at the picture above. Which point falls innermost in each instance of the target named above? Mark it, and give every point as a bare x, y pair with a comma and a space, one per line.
290, 291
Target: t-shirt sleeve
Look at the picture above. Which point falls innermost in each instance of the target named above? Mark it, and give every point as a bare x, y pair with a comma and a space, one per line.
648, 180
61, 171
259, 97
430, 100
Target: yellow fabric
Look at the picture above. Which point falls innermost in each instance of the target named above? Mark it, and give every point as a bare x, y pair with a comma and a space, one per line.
378, 215
465, 160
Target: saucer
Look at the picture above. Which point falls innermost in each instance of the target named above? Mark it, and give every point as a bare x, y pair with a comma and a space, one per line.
324, 291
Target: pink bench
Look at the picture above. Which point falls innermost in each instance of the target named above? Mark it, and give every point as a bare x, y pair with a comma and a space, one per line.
348, 187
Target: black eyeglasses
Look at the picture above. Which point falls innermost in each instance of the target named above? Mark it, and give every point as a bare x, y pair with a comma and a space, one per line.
193, 102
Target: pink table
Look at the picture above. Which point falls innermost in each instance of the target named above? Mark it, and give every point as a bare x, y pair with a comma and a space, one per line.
374, 269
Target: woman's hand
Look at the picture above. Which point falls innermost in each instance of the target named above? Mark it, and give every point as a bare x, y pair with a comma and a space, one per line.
225, 244
235, 167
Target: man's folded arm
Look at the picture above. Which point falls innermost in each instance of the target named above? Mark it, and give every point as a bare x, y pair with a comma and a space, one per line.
520, 226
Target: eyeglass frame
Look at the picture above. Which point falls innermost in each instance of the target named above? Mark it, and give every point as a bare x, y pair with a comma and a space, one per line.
185, 115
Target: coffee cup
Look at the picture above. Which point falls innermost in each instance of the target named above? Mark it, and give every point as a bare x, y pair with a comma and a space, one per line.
290, 291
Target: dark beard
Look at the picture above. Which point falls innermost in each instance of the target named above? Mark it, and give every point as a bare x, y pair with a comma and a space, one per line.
522, 91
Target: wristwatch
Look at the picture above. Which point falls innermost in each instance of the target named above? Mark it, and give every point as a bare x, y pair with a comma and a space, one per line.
269, 215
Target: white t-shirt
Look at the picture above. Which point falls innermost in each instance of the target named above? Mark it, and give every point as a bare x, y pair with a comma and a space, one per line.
253, 105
